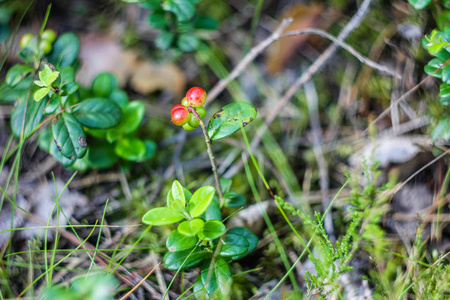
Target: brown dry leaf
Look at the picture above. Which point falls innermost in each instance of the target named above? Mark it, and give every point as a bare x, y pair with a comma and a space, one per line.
305, 16
102, 53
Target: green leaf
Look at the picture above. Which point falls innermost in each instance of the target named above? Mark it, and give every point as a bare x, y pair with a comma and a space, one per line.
164, 40
40, 93
419, 4
188, 42
191, 227
444, 94
56, 292
219, 283
67, 75
200, 200
130, 148
171, 199
52, 105
65, 50
162, 216
97, 113
446, 73
45, 139
212, 230
158, 20
183, 9
104, 84
230, 119
252, 240
69, 136
184, 259
233, 245
16, 74
33, 117
81, 164
205, 23
177, 241
150, 149
233, 199
178, 193
18, 93
101, 155
131, 117
47, 76
57, 155
119, 97
212, 213
442, 130
69, 89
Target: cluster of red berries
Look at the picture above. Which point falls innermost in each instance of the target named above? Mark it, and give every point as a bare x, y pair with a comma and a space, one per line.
182, 115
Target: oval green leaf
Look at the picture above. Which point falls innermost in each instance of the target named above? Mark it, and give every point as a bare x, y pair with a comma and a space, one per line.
52, 105
184, 259
104, 84
101, 155
212, 230
16, 74
191, 227
69, 136
230, 119
130, 148
177, 241
162, 216
219, 283
98, 113
171, 199
178, 193
131, 117
33, 117
200, 200
65, 50
233, 245
249, 236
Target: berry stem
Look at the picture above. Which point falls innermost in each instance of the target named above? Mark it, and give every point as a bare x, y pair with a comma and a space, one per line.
211, 156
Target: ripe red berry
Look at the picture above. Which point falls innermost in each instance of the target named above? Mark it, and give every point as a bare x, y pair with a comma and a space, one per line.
176, 107
180, 116
196, 96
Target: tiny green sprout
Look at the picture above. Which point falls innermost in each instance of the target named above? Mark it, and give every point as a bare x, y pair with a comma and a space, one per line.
46, 78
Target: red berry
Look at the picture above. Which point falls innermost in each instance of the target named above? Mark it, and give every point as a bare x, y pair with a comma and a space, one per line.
180, 116
196, 97
176, 107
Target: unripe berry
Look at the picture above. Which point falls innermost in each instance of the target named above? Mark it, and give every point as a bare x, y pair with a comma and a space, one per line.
45, 46
188, 127
201, 111
49, 35
184, 102
193, 121
25, 40
196, 97
180, 116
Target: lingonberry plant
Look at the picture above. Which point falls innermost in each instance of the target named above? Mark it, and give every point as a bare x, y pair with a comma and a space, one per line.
89, 128
201, 237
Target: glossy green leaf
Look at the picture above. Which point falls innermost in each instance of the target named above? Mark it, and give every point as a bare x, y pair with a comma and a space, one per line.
119, 97
444, 94
432, 67
184, 259
52, 104
162, 216
104, 84
69, 89
57, 155
81, 164
191, 227
178, 193
19, 92
65, 50
69, 136
212, 230
205, 23
230, 119
218, 281
40, 93
101, 155
67, 75
177, 241
446, 73
233, 245
16, 74
56, 292
47, 76
212, 212
184, 10
200, 200
252, 240
98, 113
45, 138
164, 40
171, 199
158, 20
132, 117
188, 42
130, 148
419, 4
33, 117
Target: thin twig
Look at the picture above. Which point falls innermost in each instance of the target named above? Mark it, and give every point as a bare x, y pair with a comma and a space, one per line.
306, 76
140, 282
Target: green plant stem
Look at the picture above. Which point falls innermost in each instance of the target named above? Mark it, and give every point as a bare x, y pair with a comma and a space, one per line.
211, 156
